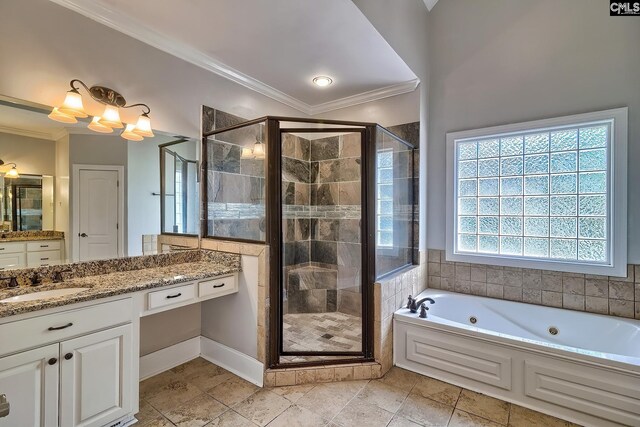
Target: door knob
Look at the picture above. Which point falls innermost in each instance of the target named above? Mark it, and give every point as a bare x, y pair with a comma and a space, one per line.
4, 406
68, 356
82, 234
52, 361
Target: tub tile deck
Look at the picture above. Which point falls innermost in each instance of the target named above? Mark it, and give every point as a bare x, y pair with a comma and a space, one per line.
400, 399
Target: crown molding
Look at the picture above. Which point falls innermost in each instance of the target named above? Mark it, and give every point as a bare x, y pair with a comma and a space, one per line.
28, 133
60, 133
361, 98
103, 14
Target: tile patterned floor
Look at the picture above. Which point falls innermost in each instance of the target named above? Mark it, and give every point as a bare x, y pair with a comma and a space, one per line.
321, 332
199, 393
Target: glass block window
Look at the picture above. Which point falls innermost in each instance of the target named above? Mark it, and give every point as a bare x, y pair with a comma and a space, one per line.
385, 198
539, 193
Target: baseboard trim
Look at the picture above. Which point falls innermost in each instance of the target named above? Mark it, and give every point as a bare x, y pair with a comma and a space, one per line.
170, 357
232, 360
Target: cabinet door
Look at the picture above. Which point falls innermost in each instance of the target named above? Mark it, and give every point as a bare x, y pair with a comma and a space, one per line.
12, 261
96, 378
31, 386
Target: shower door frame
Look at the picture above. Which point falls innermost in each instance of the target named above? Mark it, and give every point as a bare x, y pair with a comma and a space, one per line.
275, 239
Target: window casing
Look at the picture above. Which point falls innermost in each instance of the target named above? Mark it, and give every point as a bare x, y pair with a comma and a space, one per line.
549, 194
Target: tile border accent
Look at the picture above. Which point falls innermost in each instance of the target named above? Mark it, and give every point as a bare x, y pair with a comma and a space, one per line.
608, 295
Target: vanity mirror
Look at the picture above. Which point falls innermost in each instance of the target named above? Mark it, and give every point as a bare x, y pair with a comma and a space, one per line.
179, 187
69, 194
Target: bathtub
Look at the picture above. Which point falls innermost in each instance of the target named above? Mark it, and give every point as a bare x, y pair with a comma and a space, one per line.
578, 366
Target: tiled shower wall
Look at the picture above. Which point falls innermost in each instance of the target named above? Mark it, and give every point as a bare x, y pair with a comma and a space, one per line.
321, 192
405, 198
236, 193
616, 296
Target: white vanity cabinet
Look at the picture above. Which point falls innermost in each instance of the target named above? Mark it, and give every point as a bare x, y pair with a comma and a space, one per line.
13, 255
44, 253
30, 382
88, 359
95, 373
31, 254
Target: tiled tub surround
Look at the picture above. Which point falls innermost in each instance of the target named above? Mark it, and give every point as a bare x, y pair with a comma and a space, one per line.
24, 236
119, 276
616, 296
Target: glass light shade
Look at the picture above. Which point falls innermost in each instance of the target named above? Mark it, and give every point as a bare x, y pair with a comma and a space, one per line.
72, 105
13, 173
247, 153
129, 135
111, 117
143, 127
322, 81
258, 149
96, 126
61, 117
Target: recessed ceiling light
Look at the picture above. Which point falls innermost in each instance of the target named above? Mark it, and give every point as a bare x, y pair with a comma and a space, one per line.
322, 81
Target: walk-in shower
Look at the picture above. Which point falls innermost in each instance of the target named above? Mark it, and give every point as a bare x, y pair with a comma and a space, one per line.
334, 201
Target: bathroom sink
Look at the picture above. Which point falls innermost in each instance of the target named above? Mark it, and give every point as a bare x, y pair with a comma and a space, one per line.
43, 295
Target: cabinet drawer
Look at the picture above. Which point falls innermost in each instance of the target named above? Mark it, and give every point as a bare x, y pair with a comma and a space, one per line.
44, 258
171, 296
218, 287
37, 331
12, 247
12, 261
46, 245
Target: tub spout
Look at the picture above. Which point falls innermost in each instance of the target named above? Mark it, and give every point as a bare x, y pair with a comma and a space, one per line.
415, 304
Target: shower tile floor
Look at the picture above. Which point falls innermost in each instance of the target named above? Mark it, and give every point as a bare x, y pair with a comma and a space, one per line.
199, 393
321, 332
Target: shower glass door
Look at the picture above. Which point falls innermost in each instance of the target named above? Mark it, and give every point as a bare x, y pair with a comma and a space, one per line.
322, 190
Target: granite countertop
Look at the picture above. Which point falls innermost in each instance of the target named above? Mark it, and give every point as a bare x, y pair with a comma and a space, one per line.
28, 238
111, 284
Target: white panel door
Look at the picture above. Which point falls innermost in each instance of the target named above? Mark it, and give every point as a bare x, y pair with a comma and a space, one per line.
98, 222
96, 378
30, 382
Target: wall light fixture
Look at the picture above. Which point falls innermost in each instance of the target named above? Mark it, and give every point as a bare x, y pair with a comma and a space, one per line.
72, 108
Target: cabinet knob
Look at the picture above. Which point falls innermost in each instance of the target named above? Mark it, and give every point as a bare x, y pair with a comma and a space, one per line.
68, 356
52, 361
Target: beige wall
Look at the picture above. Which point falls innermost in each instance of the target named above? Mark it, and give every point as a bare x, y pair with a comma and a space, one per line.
501, 61
33, 156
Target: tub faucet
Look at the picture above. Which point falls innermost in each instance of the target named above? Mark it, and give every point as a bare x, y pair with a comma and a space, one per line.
423, 311
416, 304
